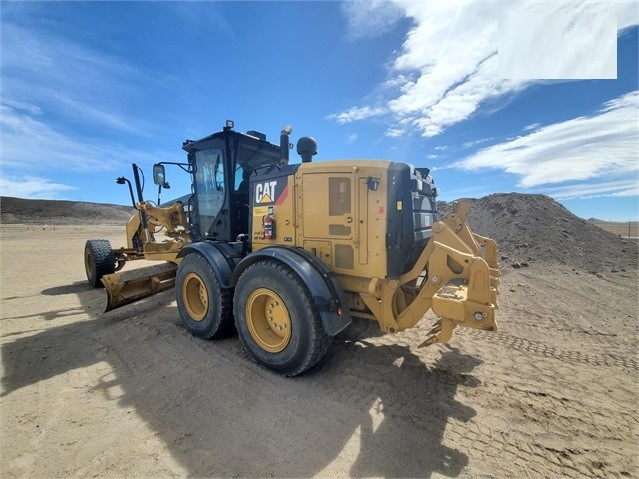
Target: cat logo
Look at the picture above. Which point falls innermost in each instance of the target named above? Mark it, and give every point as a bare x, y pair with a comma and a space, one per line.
264, 192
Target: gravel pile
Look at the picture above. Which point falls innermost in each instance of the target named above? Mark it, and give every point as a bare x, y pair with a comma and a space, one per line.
535, 228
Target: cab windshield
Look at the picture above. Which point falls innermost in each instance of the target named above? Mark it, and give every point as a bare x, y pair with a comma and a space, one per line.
253, 157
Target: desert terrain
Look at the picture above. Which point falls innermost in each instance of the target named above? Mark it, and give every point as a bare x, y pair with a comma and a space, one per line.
130, 393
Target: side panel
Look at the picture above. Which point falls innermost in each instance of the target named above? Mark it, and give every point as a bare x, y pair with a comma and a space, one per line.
341, 213
327, 206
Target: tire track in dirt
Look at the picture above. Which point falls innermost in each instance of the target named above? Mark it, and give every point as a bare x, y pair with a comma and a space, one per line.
551, 437
554, 433
574, 356
564, 426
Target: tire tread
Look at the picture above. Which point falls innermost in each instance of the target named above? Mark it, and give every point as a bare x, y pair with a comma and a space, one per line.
224, 325
103, 260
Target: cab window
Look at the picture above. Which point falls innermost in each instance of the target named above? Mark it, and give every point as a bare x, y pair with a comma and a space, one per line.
209, 185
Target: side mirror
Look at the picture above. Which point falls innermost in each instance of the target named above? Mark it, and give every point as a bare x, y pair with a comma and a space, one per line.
159, 177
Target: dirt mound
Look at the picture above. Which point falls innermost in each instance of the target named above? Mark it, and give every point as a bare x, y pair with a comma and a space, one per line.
535, 228
57, 212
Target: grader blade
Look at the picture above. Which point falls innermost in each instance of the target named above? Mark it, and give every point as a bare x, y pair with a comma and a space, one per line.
128, 286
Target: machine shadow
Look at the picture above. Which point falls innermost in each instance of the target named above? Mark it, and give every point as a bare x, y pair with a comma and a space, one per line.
93, 302
220, 414
406, 403
90, 302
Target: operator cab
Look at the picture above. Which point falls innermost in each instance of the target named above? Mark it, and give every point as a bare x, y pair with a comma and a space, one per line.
221, 165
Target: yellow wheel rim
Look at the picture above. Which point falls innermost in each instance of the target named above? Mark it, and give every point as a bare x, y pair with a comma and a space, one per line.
88, 262
268, 320
195, 297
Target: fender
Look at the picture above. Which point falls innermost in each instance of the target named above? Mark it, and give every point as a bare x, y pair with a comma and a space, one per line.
319, 279
221, 256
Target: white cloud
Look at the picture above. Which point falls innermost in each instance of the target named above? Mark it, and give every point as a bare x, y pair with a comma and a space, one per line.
479, 141
398, 82
28, 143
604, 145
31, 187
619, 188
448, 64
61, 100
357, 113
84, 85
394, 132
351, 138
370, 18
24, 106
532, 126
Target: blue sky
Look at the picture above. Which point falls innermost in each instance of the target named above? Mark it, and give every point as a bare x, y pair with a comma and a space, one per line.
494, 97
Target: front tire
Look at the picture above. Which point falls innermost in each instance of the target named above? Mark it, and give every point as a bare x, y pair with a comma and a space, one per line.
204, 306
277, 320
99, 260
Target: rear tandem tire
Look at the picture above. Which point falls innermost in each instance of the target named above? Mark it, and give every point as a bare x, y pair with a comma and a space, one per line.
204, 306
277, 320
99, 260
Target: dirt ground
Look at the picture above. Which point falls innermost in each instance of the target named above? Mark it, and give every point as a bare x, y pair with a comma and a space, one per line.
130, 393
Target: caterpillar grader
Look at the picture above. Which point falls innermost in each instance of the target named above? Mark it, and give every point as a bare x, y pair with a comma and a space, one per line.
287, 254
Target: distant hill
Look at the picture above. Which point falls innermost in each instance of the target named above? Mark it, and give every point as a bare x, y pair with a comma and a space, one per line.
24, 211
620, 228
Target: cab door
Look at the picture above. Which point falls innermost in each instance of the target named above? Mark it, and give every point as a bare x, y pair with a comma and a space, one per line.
210, 191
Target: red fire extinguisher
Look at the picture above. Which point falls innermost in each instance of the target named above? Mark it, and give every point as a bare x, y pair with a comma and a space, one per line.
268, 223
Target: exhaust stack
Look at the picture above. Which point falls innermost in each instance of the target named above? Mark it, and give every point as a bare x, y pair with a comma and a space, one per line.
284, 142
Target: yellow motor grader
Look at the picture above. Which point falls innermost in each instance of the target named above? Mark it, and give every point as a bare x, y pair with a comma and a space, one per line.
287, 254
